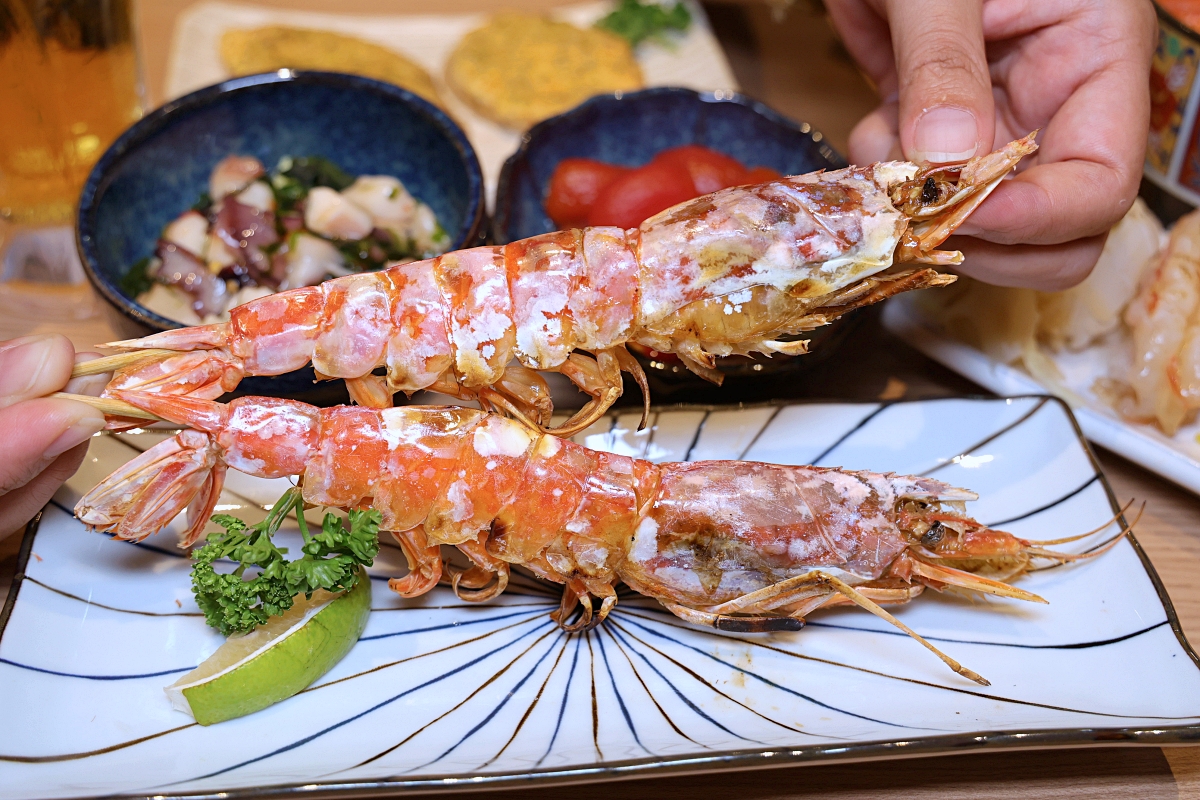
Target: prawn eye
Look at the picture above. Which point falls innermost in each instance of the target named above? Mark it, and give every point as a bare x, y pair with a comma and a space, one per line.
934, 535
929, 191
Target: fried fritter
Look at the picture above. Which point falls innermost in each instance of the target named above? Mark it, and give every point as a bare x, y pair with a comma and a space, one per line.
273, 47
519, 69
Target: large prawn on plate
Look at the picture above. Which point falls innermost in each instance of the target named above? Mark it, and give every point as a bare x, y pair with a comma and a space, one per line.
741, 271
731, 545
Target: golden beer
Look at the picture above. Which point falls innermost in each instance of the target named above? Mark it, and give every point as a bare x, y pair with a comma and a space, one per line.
68, 87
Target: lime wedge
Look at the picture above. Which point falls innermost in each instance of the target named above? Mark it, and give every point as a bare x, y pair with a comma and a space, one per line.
276, 660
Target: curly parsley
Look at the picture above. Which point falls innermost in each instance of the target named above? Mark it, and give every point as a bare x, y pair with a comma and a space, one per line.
637, 22
234, 604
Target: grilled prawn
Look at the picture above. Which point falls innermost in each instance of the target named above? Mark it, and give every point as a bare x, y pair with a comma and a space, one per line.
738, 546
740, 271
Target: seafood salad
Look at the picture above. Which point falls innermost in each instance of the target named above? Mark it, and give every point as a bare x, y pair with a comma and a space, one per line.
254, 233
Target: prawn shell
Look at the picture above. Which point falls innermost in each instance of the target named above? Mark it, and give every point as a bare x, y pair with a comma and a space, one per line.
474, 287
419, 349
269, 437
555, 478
542, 271
423, 448
719, 530
345, 467
491, 460
603, 303
274, 334
808, 236
354, 328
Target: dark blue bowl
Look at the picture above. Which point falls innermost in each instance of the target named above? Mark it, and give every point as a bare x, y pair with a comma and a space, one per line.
159, 167
630, 129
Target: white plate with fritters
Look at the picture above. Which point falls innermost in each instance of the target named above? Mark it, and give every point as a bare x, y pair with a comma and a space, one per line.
694, 60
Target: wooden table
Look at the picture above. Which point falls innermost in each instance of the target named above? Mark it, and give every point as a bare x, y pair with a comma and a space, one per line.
792, 60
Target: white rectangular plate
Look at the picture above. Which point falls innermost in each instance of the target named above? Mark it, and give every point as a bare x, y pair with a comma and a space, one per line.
442, 695
1176, 458
694, 60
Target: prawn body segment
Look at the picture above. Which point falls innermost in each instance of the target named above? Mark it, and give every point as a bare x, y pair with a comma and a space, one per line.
729, 544
741, 271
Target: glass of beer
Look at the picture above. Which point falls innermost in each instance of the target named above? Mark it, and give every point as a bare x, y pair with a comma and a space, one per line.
69, 85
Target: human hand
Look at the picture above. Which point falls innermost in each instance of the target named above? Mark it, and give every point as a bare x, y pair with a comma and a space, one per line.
962, 77
42, 439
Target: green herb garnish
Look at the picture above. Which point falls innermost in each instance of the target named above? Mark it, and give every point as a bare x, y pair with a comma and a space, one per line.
638, 22
234, 604
137, 279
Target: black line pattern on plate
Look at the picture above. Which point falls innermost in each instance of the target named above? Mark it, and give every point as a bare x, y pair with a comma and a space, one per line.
914, 681
1049, 505
741, 456
862, 423
81, 676
990, 437
687, 456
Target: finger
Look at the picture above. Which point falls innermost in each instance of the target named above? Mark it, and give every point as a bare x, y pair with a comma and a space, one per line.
1088, 168
875, 137
946, 105
88, 384
38, 431
1049, 268
18, 508
34, 366
864, 32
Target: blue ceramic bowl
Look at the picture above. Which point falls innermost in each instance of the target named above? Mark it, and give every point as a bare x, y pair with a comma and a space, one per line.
159, 167
630, 129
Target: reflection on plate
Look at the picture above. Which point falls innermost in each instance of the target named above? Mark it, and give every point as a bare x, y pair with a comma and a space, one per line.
1175, 458
442, 695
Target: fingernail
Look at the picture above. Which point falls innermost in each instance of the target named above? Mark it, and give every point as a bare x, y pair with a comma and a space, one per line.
945, 134
80, 431
21, 362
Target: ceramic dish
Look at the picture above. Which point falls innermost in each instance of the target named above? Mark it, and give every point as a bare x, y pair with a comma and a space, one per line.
160, 166
439, 695
1176, 458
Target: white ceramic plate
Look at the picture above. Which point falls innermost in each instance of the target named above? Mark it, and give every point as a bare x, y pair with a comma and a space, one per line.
1176, 458
694, 60
442, 695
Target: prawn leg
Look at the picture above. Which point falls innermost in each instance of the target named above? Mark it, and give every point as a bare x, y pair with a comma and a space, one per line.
424, 563
485, 579
576, 593
800, 586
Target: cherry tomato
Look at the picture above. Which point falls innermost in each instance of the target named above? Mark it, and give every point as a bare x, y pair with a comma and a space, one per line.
642, 193
709, 169
574, 186
762, 175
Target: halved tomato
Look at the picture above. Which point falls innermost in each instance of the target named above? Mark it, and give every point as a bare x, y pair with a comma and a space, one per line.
574, 187
709, 169
642, 193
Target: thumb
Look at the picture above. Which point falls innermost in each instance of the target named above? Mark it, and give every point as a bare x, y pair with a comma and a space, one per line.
946, 108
